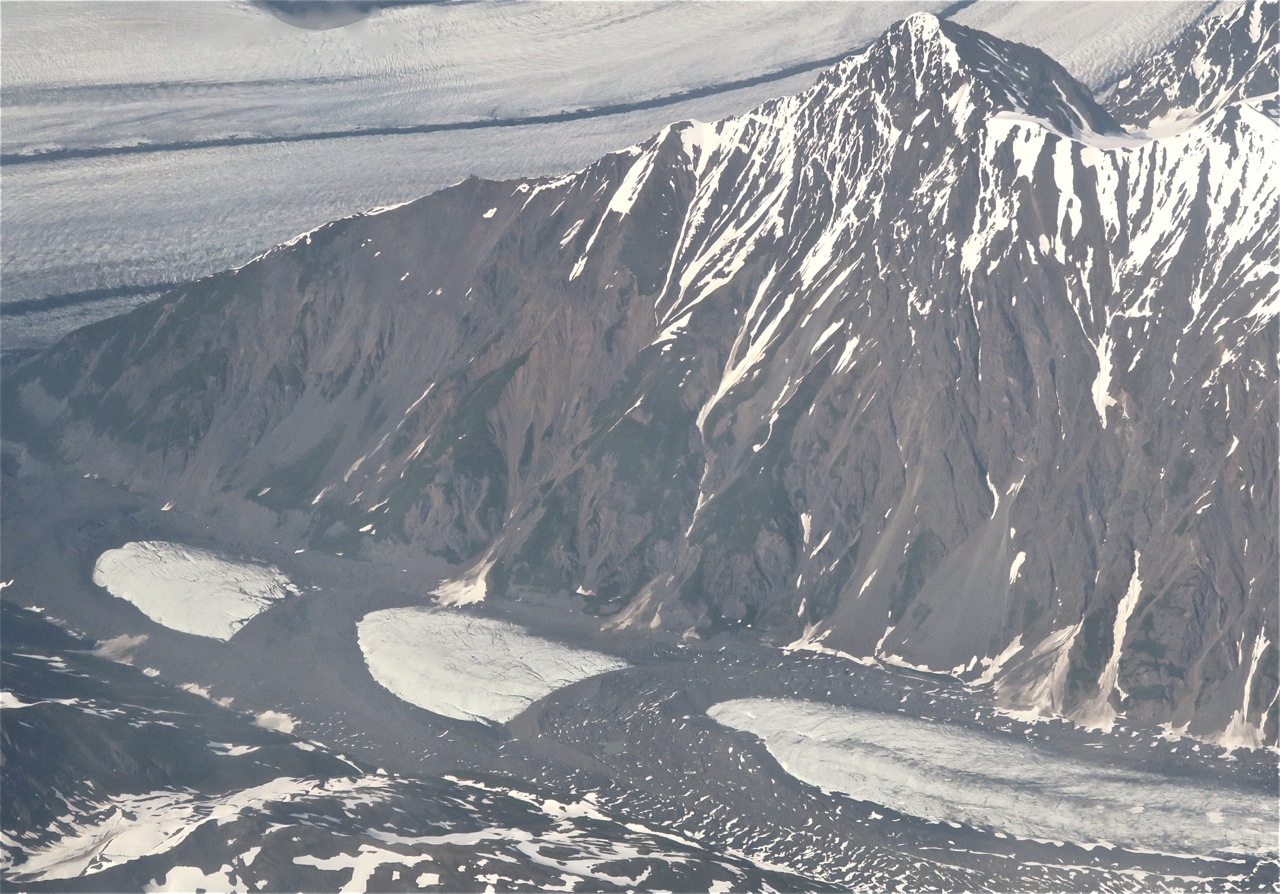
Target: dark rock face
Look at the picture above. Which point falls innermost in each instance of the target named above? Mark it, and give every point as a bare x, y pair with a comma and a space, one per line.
933, 362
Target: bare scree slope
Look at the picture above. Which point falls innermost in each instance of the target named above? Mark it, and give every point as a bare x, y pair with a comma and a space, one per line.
934, 362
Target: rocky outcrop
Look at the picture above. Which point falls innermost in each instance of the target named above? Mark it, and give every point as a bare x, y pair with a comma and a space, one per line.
933, 362
1225, 59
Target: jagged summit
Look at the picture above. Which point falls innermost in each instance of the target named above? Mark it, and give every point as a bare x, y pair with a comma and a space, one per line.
969, 75
921, 24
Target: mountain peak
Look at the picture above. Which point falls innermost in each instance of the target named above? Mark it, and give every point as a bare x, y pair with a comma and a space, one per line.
926, 39
923, 56
698, 384
921, 24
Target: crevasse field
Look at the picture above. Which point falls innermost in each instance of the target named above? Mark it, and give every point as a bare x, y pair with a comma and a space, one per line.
190, 589
940, 772
151, 143
467, 667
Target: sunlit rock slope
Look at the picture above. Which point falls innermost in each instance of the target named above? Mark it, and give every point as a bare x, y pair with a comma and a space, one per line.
934, 362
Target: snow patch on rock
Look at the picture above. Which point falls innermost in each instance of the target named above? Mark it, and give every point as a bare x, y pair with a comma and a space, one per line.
129, 827
466, 590
276, 720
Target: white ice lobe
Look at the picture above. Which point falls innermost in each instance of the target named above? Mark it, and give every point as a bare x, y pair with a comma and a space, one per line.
950, 773
466, 667
190, 589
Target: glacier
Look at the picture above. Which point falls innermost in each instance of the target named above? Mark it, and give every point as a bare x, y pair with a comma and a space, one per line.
191, 589
469, 667
92, 236
949, 773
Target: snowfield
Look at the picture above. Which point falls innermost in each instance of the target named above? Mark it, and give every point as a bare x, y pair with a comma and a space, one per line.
949, 773
190, 589
466, 667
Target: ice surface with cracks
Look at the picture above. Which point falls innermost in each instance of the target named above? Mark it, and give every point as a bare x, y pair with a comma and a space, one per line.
945, 772
100, 74
467, 667
190, 589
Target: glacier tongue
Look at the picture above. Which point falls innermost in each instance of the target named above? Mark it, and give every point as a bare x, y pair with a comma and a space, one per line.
467, 667
945, 772
190, 589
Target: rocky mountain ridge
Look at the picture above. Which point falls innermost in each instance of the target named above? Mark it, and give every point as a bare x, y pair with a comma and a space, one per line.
1225, 59
933, 364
